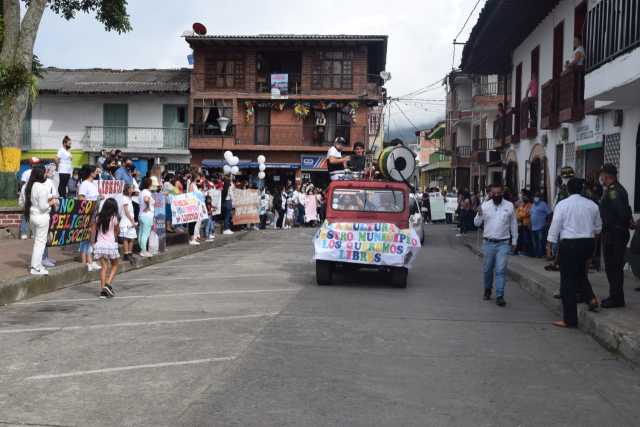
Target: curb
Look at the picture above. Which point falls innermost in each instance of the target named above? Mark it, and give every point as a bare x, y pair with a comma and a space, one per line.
595, 324
74, 273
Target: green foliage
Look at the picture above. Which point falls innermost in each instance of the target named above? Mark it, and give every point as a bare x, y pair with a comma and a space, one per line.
13, 78
112, 13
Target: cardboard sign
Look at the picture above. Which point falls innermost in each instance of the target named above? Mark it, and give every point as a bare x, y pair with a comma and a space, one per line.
436, 203
216, 201
159, 220
451, 205
245, 206
110, 188
72, 222
380, 244
186, 208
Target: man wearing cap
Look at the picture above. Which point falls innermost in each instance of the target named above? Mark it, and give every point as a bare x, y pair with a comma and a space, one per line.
336, 163
616, 221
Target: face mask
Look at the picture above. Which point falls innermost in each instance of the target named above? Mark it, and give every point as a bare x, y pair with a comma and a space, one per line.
497, 200
536, 199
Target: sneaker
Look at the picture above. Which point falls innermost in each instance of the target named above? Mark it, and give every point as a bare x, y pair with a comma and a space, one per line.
209, 239
227, 232
95, 266
194, 243
109, 290
89, 267
47, 263
212, 236
104, 294
39, 271
23, 237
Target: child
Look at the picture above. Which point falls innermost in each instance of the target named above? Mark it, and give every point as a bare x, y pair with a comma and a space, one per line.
289, 219
106, 246
128, 224
210, 226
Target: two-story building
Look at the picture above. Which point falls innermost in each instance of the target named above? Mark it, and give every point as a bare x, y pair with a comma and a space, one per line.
458, 127
286, 97
141, 112
548, 124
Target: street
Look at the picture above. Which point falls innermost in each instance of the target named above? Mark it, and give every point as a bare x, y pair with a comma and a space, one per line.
241, 335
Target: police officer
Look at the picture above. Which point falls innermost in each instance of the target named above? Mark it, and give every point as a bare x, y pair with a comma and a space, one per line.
616, 221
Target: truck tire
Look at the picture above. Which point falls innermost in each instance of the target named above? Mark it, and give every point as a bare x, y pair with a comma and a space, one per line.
399, 277
324, 272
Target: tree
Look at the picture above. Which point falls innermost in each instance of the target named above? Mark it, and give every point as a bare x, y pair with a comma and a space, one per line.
18, 70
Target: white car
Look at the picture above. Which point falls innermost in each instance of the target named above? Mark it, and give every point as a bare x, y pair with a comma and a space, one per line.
415, 215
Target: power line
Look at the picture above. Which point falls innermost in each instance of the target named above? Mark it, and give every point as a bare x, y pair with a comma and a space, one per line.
467, 21
406, 117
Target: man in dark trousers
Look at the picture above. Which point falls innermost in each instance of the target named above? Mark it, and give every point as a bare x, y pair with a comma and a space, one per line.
576, 223
616, 221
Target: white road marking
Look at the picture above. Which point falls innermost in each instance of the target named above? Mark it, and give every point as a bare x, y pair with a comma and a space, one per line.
151, 278
131, 368
129, 324
184, 294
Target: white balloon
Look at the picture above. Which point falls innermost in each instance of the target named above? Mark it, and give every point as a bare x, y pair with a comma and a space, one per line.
226, 169
234, 161
235, 170
261, 159
228, 155
262, 167
261, 175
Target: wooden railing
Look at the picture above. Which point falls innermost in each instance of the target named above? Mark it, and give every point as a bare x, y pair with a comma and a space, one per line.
550, 105
571, 95
528, 118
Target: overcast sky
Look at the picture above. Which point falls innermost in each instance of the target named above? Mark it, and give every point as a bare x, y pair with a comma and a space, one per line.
420, 35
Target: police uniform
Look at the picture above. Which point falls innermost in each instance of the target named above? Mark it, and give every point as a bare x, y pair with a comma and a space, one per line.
616, 217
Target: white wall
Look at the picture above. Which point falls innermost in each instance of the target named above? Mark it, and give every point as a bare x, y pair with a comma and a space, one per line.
55, 116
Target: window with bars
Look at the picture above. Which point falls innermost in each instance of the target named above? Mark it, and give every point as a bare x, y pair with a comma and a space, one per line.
612, 149
333, 70
224, 71
205, 117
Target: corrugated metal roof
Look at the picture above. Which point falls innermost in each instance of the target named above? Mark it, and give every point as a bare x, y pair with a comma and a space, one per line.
285, 37
100, 80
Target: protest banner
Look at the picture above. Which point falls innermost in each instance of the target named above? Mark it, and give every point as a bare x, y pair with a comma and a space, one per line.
216, 201
71, 223
380, 244
436, 203
245, 205
186, 208
159, 220
111, 188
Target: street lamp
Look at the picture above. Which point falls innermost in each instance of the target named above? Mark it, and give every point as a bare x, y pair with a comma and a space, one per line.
223, 122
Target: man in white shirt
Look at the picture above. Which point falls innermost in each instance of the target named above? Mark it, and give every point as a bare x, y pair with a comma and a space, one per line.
500, 237
576, 223
336, 163
65, 167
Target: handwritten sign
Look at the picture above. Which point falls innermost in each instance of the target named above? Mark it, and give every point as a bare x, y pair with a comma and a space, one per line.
375, 244
159, 220
110, 188
216, 201
186, 208
245, 205
72, 222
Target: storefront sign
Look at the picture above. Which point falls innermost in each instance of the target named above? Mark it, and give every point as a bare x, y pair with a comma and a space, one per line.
245, 206
72, 222
374, 244
279, 86
589, 131
312, 162
186, 208
160, 220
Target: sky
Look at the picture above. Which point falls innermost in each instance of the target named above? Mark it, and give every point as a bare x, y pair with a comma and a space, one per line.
419, 52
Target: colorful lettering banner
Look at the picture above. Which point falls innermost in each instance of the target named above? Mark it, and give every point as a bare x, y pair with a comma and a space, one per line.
159, 220
186, 208
380, 244
72, 222
245, 206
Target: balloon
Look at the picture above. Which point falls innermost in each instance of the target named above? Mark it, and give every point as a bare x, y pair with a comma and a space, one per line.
261, 159
226, 169
261, 175
235, 170
228, 155
234, 161
262, 167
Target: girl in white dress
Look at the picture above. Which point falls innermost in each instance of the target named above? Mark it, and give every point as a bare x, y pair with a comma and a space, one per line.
128, 224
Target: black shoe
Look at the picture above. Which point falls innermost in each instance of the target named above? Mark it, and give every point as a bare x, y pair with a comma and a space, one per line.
500, 302
609, 303
487, 294
110, 289
557, 295
104, 294
125, 257
637, 289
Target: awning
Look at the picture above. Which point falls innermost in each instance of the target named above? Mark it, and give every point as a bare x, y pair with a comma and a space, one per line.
247, 164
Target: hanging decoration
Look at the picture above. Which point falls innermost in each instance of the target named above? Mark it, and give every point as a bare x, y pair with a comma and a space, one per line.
249, 111
301, 110
279, 106
353, 110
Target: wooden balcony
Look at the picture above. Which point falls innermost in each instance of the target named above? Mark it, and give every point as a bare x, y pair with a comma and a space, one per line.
503, 131
550, 105
528, 118
571, 95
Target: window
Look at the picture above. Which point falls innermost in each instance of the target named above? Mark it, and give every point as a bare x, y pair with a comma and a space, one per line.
347, 199
333, 70
205, 116
225, 71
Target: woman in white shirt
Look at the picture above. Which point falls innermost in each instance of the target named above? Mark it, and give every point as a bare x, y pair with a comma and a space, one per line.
195, 228
38, 203
145, 218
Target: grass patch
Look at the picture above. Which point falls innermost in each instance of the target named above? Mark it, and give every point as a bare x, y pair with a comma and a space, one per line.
8, 203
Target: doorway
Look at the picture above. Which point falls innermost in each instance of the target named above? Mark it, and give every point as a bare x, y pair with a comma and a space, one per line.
558, 46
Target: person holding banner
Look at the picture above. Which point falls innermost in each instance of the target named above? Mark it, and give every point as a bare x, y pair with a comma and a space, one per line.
38, 203
145, 219
127, 223
227, 204
88, 191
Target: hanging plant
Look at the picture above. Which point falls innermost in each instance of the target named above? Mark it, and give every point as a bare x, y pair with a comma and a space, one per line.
354, 111
249, 111
301, 110
279, 106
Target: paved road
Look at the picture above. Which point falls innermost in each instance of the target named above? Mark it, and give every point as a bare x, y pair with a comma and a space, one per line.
242, 336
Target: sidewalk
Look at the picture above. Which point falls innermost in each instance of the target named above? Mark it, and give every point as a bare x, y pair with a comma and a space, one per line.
17, 284
616, 329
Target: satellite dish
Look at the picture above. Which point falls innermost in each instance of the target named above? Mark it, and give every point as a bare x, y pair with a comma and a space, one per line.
199, 29
385, 76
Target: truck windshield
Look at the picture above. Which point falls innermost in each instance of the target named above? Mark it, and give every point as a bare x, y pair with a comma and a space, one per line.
367, 200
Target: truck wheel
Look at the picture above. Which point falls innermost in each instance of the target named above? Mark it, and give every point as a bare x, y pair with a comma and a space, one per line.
324, 272
399, 277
